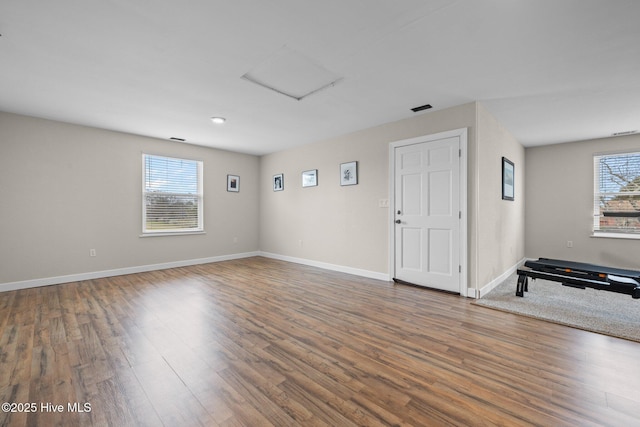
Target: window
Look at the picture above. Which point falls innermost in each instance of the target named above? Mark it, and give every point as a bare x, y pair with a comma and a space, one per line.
617, 194
172, 195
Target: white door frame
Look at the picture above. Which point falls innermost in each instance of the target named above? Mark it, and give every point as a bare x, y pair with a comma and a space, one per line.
462, 135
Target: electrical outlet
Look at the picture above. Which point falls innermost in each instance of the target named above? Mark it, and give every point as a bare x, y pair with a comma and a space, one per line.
569, 243
92, 252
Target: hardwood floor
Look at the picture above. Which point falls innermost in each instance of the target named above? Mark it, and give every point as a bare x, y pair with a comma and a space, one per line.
260, 342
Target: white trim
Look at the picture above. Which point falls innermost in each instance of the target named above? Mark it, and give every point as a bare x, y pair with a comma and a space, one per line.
171, 233
25, 284
333, 267
464, 238
471, 293
462, 135
504, 276
610, 235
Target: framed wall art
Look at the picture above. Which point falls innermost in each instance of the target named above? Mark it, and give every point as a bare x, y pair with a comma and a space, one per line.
508, 176
310, 178
278, 182
233, 183
349, 173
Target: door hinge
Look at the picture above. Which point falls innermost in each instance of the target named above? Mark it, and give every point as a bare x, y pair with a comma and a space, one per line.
459, 269
459, 214
459, 152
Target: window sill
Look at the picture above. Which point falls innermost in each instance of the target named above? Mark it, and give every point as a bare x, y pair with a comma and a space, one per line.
172, 233
616, 236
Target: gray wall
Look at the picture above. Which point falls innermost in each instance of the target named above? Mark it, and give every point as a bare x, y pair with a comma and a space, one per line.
559, 187
344, 225
501, 223
65, 189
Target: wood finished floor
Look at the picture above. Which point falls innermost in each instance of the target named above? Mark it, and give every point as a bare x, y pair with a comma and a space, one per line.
260, 342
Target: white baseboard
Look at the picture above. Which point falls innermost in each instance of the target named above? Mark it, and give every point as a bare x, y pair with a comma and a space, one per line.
495, 282
334, 267
12, 286
25, 284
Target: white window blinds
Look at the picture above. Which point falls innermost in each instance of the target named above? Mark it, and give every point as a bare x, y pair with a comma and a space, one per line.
172, 195
617, 193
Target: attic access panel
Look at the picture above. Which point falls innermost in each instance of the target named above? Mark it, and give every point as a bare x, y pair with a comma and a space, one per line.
292, 74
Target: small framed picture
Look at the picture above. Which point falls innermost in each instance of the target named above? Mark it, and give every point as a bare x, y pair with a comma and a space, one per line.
310, 178
349, 173
233, 183
278, 182
508, 175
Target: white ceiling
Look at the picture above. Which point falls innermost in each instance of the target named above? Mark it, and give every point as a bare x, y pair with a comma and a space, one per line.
551, 71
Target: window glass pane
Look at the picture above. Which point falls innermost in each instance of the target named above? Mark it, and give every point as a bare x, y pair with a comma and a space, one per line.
169, 175
172, 194
617, 195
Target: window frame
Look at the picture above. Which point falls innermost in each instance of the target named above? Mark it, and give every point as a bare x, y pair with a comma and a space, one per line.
597, 214
199, 229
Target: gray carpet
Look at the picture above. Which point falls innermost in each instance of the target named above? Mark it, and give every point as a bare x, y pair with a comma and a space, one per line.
604, 312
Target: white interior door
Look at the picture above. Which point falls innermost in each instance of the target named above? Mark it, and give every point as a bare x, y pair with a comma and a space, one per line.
428, 214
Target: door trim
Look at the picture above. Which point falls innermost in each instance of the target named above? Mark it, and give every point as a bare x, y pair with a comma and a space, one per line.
462, 135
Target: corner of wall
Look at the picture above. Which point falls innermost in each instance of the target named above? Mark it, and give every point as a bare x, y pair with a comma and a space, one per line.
500, 240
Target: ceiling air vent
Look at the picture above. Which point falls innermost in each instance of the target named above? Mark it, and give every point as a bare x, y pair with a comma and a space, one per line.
173, 138
422, 107
626, 132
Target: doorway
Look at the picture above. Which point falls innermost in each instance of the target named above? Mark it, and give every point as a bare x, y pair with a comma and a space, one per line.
428, 192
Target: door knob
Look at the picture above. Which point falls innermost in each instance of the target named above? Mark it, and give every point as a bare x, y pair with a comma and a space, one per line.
398, 221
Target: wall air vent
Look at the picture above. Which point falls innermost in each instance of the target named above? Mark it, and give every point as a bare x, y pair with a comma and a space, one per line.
422, 107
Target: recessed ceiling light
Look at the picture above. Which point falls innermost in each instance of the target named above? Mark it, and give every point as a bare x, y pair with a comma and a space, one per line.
218, 120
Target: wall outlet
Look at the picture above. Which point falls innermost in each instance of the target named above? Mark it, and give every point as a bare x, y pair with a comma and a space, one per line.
569, 243
92, 252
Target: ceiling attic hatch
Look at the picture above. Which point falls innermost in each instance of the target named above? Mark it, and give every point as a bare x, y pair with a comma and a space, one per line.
292, 74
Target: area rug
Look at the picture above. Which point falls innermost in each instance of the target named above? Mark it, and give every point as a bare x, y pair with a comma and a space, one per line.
603, 312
